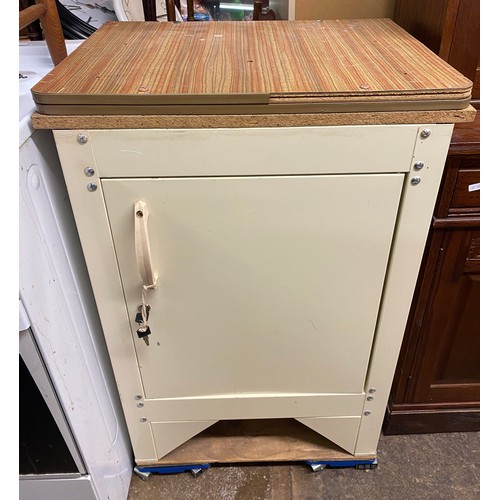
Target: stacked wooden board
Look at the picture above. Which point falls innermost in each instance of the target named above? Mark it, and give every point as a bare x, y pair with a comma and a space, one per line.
137, 68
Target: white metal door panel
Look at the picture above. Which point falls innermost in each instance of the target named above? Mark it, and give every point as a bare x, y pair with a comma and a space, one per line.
240, 406
266, 285
252, 151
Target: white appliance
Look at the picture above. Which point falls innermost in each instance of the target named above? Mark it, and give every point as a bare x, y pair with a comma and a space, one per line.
61, 340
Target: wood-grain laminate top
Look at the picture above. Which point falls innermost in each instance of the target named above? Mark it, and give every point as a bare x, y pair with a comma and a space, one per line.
250, 65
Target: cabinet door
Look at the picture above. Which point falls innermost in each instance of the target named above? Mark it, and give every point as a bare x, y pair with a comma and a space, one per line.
266, 285
447, 362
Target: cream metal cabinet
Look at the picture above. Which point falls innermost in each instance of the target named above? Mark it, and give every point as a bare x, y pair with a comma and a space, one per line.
283, 279
265, 190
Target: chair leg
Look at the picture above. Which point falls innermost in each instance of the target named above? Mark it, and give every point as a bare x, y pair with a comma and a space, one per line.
259, 15
190, 10
52, 31
257, 10
171, 10
149, 7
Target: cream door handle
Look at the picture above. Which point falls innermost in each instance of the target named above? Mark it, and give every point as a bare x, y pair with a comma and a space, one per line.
142, 246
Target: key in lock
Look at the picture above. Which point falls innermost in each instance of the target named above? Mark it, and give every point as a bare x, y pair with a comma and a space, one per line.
143, 333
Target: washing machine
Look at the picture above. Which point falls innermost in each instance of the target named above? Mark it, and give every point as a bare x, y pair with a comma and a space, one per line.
72, 437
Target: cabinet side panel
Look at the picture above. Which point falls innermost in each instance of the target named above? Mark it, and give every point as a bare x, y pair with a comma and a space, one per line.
408, 246
92, 224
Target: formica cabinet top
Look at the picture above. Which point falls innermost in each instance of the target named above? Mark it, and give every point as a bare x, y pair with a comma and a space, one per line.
242, 68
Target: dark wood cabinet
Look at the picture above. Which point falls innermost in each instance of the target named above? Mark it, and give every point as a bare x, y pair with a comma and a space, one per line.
450, 28
436, 385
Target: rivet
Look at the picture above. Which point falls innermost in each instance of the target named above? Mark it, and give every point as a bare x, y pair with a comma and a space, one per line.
138, 397
372, 390
415, 181
140, 405
370, 398
35, 182
419, 165
143, 419
91, 186
82, 138
89, 171
425, 133
367, 412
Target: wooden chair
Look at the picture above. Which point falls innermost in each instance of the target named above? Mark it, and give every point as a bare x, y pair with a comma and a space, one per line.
46, 12
259, 15
150, 10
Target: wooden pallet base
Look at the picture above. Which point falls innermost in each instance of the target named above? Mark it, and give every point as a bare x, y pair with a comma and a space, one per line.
251, 441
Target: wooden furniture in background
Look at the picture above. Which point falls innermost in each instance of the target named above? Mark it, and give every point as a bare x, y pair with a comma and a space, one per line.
261, 11
340, 9
33, 31
46, 12
149, 7
436, 385
150, 13
450, 28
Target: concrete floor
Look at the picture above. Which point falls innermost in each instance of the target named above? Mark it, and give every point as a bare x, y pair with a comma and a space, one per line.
425, 466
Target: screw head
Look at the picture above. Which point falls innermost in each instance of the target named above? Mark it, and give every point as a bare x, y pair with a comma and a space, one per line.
92, 186
415, 181
419, 165
367, 412
372, 390
82, 139
143, 419
140, 405
370, 398
425, 133
89, 171
138, 397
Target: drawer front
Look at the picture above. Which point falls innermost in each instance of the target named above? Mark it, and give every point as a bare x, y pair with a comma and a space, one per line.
266, 285
466, 194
